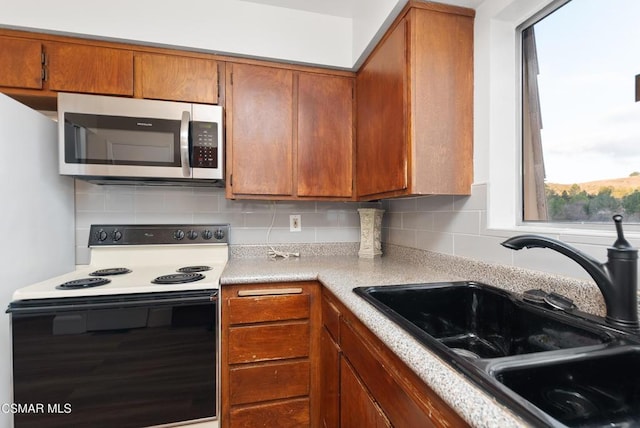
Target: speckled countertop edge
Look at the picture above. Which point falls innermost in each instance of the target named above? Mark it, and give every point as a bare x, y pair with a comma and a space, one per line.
400, 265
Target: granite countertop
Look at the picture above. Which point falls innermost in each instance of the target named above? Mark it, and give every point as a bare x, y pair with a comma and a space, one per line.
340, 274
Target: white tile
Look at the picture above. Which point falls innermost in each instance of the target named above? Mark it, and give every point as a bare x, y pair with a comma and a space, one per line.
459, 222
435, 203
476, 202
435, 241
343, 234
485, 248
417, 220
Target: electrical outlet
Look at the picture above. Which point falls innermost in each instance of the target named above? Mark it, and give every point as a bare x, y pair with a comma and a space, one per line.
295, 223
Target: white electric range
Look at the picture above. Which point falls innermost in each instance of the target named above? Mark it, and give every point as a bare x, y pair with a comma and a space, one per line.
130, 340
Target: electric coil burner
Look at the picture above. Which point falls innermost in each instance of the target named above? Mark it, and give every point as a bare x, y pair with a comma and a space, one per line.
110, 271
83, 283
191, 269
178, 278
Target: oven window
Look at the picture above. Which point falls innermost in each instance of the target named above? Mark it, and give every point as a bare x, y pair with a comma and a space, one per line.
120, 367
112, 140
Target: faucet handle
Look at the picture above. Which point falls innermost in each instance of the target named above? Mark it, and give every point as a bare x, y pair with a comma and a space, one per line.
621, 243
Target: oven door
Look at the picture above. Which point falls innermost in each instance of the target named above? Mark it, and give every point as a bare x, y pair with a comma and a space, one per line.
115, 361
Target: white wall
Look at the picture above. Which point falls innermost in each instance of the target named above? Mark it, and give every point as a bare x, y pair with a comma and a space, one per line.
223, 26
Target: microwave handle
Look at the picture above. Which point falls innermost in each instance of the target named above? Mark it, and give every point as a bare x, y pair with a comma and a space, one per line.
184, 144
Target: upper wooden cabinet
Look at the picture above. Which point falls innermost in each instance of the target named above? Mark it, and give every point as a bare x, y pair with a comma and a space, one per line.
176, 78
259, 109
325, 136
35, 67
89, 69
22, 63
289, 133
415, 106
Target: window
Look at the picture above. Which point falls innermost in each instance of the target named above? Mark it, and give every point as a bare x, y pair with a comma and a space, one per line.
580, 115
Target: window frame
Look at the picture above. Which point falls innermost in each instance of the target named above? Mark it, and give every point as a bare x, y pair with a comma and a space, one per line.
505, 185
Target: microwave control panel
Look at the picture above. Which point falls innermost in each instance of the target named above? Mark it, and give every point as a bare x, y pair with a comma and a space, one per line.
204, 144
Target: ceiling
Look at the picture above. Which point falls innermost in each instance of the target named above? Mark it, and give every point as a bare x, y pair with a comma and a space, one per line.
343, 8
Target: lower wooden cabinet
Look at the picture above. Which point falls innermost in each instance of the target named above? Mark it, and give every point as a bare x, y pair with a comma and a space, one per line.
294, 356
375, 387
269, 359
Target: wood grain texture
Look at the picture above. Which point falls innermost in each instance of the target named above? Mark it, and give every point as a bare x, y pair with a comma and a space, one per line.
381, 88
176, 78
331, 318
283, 414
268, 342
21, 61
263, 382
359, 409
442, 102
329, 381
325, 135
243, 310
89, 69
405, 399
260, 115
271, 356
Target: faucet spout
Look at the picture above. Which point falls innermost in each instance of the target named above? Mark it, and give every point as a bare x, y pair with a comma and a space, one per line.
616, 279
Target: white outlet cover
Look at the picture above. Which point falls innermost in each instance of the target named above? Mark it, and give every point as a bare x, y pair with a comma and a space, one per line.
295, 223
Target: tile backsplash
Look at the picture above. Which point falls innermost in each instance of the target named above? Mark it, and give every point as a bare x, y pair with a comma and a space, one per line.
322, 222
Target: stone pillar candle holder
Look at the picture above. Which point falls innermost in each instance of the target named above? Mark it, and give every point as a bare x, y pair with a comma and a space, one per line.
370, 232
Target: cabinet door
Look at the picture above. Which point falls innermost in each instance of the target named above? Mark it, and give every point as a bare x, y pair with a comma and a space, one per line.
260, 129
89, 69
359, 409
325, 135
21, 63
381, 87
176, 78
330, 381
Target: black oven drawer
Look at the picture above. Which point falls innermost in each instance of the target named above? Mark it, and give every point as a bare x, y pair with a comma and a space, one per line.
125, 361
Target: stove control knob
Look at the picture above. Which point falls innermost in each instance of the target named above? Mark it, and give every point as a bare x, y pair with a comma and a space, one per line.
117, 235
178, 234
192, 234
207, 234
218, 234
102, 235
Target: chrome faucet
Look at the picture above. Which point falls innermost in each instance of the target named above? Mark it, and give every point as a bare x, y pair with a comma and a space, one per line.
617, 279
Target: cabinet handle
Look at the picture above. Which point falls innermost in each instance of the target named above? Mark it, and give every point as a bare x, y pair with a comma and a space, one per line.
269, 292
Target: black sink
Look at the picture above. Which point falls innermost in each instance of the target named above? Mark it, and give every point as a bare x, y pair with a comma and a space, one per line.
593, 390
478, 321
552, 367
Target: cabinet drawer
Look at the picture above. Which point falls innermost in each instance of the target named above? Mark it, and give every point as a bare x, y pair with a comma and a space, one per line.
268, 342
271, 381
287, 414
261, 308
331, 318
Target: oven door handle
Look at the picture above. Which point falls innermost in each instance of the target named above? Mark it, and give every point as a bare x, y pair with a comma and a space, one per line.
20, 308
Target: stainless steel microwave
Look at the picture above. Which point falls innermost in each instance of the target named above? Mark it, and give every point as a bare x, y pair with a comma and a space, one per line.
110, 139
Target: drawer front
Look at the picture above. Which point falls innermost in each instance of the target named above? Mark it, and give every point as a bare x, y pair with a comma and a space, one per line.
264, 308
287, 414
268, 342
269, 381
331, 319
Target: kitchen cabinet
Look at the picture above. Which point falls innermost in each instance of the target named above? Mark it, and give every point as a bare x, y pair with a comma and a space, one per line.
22, 63
414, 112
38, 66
176, 78
89, 69
374, 384
289, 133
270, 341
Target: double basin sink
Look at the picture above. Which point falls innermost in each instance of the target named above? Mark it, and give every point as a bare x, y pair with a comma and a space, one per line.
553, 367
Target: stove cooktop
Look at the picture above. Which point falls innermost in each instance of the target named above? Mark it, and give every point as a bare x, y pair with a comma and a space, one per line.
183, 257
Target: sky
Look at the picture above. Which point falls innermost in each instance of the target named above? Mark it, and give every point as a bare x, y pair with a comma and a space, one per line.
589, 55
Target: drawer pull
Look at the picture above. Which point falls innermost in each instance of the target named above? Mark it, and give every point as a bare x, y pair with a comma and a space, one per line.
269, 292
